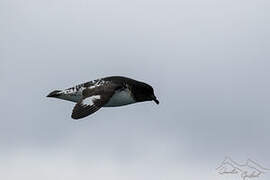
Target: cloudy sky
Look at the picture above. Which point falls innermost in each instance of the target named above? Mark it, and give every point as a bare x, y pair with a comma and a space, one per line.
208, 62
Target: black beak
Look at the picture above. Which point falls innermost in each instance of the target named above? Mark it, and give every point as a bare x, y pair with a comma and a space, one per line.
155, 99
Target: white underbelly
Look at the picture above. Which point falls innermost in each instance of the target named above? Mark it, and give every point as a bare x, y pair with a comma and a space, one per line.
120, 98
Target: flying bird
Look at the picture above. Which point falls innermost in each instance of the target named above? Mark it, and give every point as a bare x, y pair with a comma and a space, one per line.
105, 92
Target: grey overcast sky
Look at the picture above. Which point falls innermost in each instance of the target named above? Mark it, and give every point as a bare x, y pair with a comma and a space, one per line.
207, 60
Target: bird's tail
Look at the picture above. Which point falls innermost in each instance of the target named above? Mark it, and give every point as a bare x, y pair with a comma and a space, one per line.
74, 97
55, 93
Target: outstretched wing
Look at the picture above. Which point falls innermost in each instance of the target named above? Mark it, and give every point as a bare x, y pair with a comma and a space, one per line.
93, 99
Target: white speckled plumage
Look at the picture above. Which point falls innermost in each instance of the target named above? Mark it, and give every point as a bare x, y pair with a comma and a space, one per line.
90, 100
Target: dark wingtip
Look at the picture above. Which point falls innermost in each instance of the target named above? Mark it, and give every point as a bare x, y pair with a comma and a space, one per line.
55, 93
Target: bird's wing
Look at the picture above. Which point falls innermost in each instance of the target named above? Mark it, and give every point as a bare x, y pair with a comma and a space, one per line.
93, 99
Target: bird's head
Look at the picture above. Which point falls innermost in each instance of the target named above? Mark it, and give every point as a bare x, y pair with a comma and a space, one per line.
144, 92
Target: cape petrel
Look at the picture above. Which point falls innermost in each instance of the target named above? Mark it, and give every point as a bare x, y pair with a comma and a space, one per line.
105, 92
